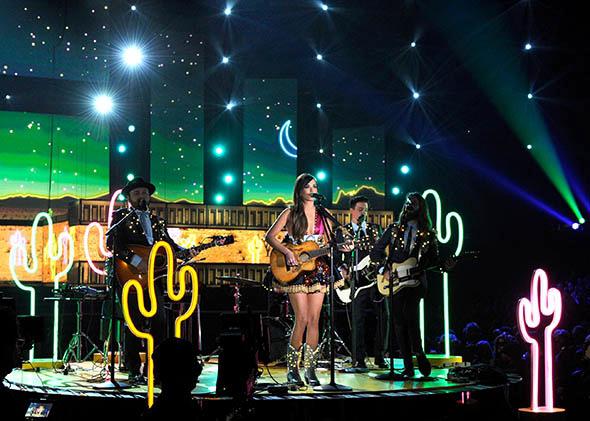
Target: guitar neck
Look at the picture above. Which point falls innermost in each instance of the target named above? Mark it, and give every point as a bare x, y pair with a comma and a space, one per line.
319, 252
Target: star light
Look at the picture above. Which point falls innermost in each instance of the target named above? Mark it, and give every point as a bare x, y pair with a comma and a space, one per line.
132, 56
103, 104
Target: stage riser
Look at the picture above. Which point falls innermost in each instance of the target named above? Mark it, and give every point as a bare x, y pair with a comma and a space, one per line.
485, 405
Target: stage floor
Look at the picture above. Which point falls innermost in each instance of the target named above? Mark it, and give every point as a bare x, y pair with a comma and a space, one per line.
83, 377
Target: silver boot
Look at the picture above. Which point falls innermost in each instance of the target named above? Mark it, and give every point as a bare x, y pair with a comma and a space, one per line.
310, 362
293, 355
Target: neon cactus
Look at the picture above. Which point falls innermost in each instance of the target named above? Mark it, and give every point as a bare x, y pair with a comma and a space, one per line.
101, 237
175, 296
545, 302
55, 249
448, 234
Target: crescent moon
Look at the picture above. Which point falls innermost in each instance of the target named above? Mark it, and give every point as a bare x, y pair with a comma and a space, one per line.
289, 148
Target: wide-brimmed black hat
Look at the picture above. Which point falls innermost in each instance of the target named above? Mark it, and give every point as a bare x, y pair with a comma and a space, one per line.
138, 182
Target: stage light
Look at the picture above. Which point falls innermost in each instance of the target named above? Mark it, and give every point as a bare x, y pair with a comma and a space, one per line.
218, 150
131, 128
319, 57
132, 56
575, 226
324, 7
322, 175
228, 178
404, 169
528, 46
318, 106
418, 146
218, 198
227, 10
530, 96
103, 104
582, 221
7, 97
121, 198
416, 95
529, 146
130, 176
122, 148
321, 150
413, 44
225, 60
396, 190
229, 106
133, 8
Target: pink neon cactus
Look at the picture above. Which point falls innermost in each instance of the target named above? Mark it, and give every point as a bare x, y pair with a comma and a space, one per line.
545, 302
101, 238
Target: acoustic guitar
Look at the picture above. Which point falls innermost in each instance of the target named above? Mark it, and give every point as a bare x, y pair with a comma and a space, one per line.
125, 271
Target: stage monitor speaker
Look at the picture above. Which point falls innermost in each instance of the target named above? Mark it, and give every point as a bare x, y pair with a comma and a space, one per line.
239, 344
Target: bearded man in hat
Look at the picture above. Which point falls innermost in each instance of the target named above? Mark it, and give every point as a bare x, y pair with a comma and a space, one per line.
143, 228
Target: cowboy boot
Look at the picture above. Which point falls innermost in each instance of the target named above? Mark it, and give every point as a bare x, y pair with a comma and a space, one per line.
293, 355
310, 362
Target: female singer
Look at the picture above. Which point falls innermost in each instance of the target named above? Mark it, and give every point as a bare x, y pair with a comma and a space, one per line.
306, 293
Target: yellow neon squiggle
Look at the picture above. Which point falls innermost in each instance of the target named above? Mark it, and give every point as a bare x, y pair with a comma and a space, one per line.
356, 191
42, 196
270, 202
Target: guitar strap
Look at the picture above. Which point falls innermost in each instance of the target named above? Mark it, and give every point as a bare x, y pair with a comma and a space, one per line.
394, 235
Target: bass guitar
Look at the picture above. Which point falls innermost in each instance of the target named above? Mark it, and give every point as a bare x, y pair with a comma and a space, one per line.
404, 275
125, 271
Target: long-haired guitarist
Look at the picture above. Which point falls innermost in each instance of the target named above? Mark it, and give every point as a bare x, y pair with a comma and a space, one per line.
307, 290
411, 236
141, 228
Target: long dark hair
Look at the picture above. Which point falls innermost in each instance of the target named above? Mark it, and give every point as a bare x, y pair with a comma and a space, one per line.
297, 221
424, 221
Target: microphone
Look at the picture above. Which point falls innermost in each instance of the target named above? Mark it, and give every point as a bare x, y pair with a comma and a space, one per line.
361, 218
142, 205
318, 196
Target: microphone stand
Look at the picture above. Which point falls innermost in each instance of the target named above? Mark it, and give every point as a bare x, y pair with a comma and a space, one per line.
113, 383
325, 215
353, 287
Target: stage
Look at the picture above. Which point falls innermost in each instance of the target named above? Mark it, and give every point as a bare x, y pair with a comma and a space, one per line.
435, 395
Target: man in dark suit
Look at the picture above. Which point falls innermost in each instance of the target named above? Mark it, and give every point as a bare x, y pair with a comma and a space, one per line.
368, 303
143, 228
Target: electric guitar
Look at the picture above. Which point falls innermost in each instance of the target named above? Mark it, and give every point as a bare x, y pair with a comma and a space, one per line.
367, 270
403, 275
126, 272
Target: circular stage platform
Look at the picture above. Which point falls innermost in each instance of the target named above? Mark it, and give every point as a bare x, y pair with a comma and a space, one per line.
430, 397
